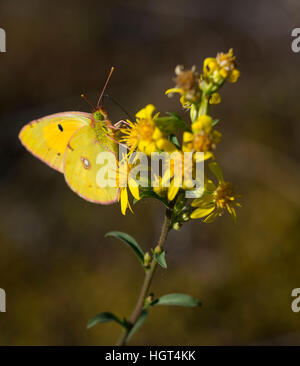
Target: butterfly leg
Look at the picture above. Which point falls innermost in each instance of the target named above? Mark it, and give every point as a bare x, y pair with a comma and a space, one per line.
119, 124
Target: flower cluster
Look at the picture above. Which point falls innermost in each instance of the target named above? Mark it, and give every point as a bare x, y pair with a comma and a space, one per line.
203, 137
143, 135
151, 133
221, 68
215, 199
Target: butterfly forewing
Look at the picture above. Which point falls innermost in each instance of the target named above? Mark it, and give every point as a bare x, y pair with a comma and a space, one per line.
47, 138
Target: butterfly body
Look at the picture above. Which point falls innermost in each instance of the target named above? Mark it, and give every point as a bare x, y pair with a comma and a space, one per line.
103, 127
70, 143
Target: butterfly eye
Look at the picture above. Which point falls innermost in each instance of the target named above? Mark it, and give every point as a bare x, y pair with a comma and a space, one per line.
99, 115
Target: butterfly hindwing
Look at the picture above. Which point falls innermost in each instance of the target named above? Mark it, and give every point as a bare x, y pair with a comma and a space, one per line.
81, 165
47, 137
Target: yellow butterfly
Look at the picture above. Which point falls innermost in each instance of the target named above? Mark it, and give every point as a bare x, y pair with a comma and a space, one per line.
70, 143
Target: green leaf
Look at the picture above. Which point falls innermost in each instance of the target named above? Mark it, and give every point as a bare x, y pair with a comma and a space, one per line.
149, 193
130, 241
137, 324
175, 141
161, 259
171, 123
104, 318
215, 121
177, 300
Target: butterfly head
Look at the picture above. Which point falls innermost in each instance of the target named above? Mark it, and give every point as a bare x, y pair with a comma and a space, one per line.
100, 115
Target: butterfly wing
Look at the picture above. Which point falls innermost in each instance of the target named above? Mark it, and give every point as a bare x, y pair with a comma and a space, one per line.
81, 165
47, 137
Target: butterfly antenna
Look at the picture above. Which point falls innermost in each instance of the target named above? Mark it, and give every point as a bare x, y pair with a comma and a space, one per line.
119, 105
88, 102
105, 85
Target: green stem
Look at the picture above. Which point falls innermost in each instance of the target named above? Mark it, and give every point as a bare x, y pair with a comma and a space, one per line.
203, 109
147, 282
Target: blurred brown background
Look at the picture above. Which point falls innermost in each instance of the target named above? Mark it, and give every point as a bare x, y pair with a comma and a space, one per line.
57, 268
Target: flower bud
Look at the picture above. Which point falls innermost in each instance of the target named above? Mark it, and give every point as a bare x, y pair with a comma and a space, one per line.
185, 216
149, 299
158, 249
147, 259
177, 226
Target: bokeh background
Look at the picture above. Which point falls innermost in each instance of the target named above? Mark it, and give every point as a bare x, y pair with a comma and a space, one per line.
57, 268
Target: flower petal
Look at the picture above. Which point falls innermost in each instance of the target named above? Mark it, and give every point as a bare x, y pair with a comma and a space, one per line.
216, 170
202, 156
150, 148
173, 90
124, 200
146, 112
165, 145
173, 190
203, 123
134, 188
188, 137
232, 213
157, 134
185, 103
165, 180
215, 98
205, 200
211, 217
201, 212
210, 186
234, 75
210, 64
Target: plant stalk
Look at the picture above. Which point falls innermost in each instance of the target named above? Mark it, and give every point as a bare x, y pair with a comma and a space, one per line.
147, 281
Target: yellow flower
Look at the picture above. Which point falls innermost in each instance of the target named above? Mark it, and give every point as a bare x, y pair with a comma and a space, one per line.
222, 67
203, 123
187, 84
125, 182
165, 186
143, 135
160, 185
178, 175
216, 199
187, 80
203, 138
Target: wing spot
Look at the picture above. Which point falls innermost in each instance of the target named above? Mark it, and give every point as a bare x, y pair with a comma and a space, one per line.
85, 162
60, 127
